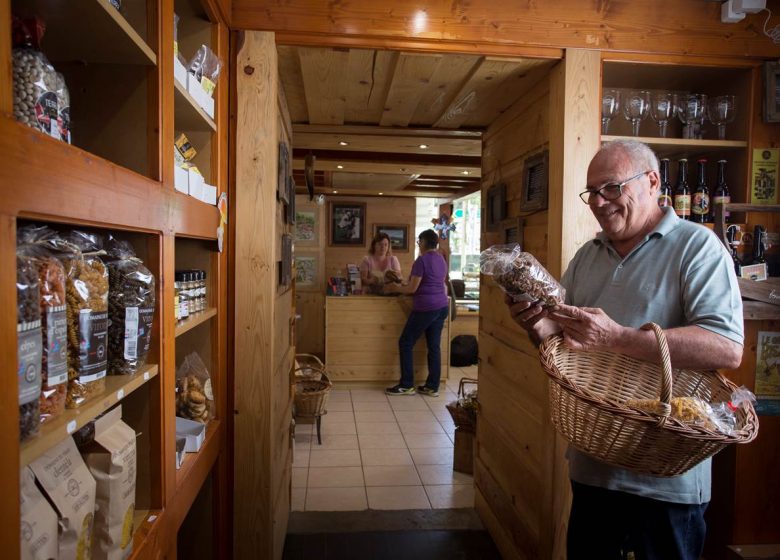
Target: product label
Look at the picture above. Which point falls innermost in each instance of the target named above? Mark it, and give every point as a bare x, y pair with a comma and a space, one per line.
46, 113
29, 351
207, 85
93, 335
64, 123
56, 346
665, 200
701, 204
176, 307
722, 200
184, 308
138, 330
682, 205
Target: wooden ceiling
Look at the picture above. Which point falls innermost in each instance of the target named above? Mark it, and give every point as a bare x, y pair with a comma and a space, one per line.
402, 123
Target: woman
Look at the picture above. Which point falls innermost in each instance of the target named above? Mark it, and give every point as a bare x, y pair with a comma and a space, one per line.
376, 265
430, 307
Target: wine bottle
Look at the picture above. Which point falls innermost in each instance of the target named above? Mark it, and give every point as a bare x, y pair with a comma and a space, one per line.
682, 196
700, 204
665, 192
722, 194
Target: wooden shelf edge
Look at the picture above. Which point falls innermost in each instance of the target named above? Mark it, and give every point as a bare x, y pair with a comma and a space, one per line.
760, 311
128, 30
54, 431
195, 320
193, 472
183, 93
145, 533
681, 142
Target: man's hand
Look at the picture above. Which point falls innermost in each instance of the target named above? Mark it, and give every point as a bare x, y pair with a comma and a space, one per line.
525, 313
587, 328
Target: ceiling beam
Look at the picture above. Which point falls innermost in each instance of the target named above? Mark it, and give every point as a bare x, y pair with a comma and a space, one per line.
398, 167
412, 75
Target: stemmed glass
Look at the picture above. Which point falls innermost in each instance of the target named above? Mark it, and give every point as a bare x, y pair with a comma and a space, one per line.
661, 110
721, 111
636, 107
691, 110
610, 105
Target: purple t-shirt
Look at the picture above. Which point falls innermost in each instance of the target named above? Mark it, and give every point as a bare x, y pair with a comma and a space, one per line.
431, 293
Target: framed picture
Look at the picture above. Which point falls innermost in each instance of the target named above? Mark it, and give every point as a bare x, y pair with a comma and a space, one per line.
285, 267
534, 183
496, 205
772, 92
398, 234
282, 187
291, 196
306, 227
513, 231
347, 223
307, 273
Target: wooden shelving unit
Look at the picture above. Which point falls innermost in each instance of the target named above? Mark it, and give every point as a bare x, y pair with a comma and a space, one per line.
117, 178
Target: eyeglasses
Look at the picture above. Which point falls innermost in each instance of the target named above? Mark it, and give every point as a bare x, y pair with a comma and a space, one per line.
610, 191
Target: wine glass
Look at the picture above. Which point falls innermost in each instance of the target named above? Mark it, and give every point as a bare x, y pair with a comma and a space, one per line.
635, 108
610, 105
721, 110
691, 110
661, 110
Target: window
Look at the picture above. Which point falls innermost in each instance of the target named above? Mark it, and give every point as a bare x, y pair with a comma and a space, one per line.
464, 243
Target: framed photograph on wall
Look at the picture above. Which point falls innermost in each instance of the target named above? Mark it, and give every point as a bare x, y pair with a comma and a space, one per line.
347, 224
513, 231
306, 227
496, 206
282, 186
535, 181
285, 266
307, 272
291, 196
398, 234
771, 92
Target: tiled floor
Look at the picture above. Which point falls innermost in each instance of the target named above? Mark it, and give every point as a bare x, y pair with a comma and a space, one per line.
380, 452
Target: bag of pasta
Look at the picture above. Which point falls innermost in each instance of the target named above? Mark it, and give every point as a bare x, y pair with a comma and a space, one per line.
28, 345
87, 313
131, 300
39, 243
520, 275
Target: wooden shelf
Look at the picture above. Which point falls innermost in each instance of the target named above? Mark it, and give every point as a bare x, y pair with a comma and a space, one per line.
202, 460
195, 320
54, 431
92, 31
188, 115
144, 531
680, 143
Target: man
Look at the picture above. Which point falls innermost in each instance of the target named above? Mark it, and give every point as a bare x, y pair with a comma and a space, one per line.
646, 265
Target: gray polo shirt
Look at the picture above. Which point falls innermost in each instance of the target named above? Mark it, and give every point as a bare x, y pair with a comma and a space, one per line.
679, 275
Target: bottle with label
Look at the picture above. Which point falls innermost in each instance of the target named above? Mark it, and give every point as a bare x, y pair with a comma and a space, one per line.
202, 289
184, 303
682, 195
722, 194
759, 240
205, 293
731, 237
700, 204
176, 289
665, 193
191, 291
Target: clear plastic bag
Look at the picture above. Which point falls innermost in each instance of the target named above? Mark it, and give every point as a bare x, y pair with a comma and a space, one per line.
63, 108
131, 299
205, 66
29, 345
520, 275
194, 395
37, 242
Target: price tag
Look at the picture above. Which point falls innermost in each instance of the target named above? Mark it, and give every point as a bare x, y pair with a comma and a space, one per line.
120, 394
146, 376
151, 518
71, 427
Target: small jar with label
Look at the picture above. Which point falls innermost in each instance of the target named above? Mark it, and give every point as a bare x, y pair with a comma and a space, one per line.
204, 293
184, 304
202, 289
176, 289
192, 291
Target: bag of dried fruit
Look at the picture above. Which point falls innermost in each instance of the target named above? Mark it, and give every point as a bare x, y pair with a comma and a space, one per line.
520, 275
131, 300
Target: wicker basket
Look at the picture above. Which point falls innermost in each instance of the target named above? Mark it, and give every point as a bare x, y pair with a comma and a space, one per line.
464, 418
587, 392
308, 366
311, 396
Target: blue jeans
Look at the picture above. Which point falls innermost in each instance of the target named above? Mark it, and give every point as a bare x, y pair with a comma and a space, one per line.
605, 524
431, 323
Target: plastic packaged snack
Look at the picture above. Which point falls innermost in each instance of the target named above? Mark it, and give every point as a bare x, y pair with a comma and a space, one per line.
36, 242
520, 275
29, 345
131, 299
63, 108
205, 66
194, 396
87, 313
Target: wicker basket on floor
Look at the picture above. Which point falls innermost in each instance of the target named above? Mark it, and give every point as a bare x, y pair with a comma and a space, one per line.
308, 366
311, 395
587, 395
464, 418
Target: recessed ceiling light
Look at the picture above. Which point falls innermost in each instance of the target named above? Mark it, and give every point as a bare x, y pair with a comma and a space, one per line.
339, 167
335, 192
423, 146
342, 143
380, 194
464, 172
403, 170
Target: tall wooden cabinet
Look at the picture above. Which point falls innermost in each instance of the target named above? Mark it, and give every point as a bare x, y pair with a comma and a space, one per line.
118, 177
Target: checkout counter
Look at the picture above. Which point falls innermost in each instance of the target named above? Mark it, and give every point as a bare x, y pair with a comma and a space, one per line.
361, 339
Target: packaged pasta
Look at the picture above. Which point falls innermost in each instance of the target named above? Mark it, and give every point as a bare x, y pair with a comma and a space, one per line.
87, 314
37, 242
28, 345
520, 275
131, 300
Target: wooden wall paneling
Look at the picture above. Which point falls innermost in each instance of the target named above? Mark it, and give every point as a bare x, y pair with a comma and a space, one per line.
310, 328
253, 199
508, 27
292, 82
326, 95
413, 73
494, 525
369, 73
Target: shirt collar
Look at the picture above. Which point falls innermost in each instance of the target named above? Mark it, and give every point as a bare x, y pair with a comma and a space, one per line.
665, 226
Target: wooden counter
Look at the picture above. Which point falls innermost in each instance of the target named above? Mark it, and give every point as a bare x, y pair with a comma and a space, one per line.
466, 322
361, 339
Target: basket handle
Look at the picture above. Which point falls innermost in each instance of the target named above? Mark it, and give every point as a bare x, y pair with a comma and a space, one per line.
666, 367
319, 362
464, 381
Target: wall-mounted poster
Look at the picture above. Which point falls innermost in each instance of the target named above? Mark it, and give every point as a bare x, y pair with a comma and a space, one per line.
285, 266
306, 271
768, 364
306, 227
347, 223
763, 189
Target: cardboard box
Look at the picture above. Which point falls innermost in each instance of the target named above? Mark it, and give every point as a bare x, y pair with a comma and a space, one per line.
209, 194
181, 180
200, 96
180, 72
196, 184
463, 452
193, 432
